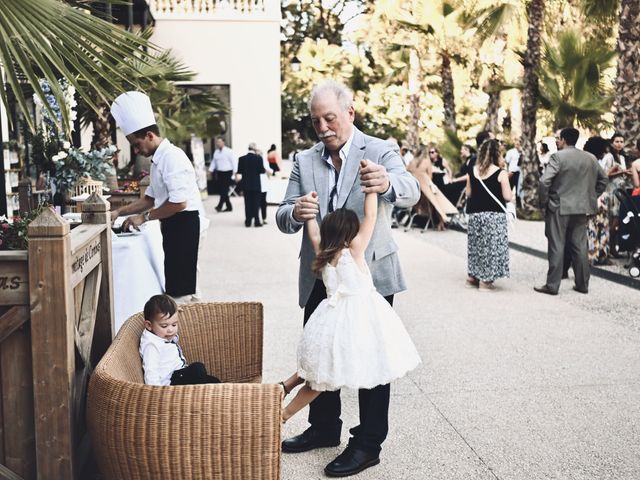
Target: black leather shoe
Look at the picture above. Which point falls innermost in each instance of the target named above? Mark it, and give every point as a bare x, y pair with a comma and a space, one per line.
308, 440
218, 209
353, 460
258, 225
228, 210
545, 289
581, 290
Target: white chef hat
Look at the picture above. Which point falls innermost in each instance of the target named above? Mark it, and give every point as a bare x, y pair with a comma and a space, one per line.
132, 111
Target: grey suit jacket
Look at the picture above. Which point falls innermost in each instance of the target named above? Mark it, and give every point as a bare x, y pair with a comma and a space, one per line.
572, 182
311, 173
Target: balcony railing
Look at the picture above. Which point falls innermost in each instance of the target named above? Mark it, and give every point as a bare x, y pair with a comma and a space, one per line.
215, 9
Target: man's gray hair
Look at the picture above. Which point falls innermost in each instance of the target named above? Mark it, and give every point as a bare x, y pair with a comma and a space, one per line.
253, 147
340, 90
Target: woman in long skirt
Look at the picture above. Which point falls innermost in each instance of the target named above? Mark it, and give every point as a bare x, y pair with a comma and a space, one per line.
488, 190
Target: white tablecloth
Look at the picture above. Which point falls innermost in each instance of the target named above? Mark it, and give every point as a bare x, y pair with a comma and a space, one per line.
138, 270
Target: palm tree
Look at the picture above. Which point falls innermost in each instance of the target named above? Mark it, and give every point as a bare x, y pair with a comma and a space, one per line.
50, 39
530, 95
627, 95
571, 83
495, 22
438, 22
178, 109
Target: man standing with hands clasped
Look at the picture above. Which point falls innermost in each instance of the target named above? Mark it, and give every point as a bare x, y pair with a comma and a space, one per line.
332, 169
569, 189
172, 197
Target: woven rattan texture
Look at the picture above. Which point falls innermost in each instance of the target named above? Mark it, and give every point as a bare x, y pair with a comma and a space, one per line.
229, 431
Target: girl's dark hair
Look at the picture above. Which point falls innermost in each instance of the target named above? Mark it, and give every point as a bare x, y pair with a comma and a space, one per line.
336, 232
544, 147
489, 155
160, 304
271, 148
470, 148
597, 146
613, 151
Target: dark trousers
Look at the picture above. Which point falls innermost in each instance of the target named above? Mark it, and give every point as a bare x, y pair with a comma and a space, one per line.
251, 207
324, 411
180, 241
224, 180
570, 232
193, 374
263, 205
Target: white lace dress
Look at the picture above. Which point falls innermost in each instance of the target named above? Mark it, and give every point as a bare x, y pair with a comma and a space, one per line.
354, 338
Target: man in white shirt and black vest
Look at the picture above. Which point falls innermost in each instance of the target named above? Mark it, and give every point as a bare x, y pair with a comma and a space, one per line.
172, 196
223, 165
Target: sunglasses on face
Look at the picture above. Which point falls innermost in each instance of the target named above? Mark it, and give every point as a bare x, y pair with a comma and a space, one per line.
433, 151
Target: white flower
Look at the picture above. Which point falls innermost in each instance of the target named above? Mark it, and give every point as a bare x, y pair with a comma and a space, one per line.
3, 218
55, 158
84, 149
66, 145
62, 155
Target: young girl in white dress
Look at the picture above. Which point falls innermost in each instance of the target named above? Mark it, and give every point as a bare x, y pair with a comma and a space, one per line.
354, 338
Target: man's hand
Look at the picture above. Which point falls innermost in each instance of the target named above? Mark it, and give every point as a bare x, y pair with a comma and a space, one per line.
306, 207
133, 221
373, 177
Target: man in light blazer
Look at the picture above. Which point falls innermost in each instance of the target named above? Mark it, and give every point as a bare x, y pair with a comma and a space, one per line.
332, 169
569, 189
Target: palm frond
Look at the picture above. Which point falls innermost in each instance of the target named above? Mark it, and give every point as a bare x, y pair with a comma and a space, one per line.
50, 39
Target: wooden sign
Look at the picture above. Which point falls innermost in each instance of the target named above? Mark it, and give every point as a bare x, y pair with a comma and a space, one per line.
85, 260
14, 278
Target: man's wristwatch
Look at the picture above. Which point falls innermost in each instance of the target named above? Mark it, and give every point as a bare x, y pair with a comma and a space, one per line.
147, 215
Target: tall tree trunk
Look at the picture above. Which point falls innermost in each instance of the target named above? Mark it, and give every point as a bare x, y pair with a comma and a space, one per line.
413, 130
101, 128
529, 167
627, 97
493, 105
447, 93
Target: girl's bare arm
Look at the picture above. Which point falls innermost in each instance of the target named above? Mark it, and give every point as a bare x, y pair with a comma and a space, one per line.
313, 230
368, 223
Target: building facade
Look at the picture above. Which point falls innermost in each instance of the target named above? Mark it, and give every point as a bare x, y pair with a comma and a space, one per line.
234, 46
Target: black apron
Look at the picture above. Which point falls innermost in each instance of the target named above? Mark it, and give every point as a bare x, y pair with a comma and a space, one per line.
180, 240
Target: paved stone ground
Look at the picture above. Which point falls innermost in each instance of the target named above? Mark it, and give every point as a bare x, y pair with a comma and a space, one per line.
513, 385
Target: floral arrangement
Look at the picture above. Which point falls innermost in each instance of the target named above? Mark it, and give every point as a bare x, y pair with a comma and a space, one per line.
71, 164
51, 125
13, 234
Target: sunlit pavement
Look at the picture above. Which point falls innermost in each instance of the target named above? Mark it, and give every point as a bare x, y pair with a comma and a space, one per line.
513, 385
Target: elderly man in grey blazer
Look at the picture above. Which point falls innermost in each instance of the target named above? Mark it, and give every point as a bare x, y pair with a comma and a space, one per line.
332, 169
569, 189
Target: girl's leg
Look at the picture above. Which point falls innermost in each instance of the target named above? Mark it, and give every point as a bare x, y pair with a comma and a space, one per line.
292, 382
303, 398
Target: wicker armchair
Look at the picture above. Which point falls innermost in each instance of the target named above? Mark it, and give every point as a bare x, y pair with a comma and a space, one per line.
224, 431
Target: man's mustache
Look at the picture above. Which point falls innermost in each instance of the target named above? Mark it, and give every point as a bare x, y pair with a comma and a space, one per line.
326, 134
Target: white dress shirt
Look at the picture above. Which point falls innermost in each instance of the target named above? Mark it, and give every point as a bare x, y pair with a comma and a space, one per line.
512, 158
344, 154
160, 358
264, 178
223, 161
173, 179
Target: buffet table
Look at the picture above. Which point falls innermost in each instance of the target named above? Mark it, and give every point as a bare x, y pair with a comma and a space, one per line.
138, 270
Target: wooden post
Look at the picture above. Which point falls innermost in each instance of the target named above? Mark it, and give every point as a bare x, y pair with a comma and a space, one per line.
95, 210
53, 346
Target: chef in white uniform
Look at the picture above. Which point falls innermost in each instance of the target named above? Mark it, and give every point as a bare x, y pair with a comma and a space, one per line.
173, 196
